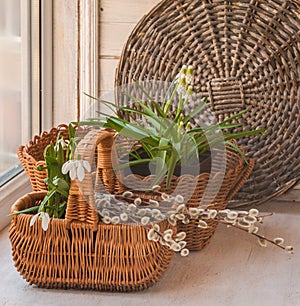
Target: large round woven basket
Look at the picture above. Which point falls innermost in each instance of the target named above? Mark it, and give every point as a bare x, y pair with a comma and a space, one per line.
246, 55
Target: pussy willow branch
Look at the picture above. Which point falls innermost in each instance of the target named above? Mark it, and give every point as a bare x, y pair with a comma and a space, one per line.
254, 234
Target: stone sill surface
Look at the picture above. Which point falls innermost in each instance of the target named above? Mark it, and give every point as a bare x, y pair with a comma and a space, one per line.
232, 270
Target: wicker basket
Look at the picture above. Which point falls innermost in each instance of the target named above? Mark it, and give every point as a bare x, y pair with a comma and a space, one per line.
32, 155
245, 55
80, 252
221, 188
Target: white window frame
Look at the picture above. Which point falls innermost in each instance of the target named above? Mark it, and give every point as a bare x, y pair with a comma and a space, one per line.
33, 65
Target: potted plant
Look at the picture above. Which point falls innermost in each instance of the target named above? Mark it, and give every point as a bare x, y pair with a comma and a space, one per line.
165, 136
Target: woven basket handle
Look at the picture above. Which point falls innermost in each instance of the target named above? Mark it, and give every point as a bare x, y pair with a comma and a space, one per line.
81, 201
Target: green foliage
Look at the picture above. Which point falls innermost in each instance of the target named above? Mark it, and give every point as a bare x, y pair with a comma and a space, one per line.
168, 137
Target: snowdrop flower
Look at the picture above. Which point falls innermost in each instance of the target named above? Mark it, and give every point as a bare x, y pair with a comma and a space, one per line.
64, 143
42, 216
76, 168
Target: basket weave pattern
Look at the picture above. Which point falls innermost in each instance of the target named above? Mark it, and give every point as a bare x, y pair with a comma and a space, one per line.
80, 252
245, 55
194, 188
32, 155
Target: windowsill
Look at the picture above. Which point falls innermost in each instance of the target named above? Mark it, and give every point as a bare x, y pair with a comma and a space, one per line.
232, 270
10, 192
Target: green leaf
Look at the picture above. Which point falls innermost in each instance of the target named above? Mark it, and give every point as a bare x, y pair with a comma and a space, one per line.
238, 150
195, 111
24, 211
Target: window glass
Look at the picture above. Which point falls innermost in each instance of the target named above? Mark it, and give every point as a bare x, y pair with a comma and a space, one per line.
14, 121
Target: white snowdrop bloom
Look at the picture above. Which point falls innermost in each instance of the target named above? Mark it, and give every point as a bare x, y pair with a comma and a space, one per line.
123, 217
132, 207
76, 168
289, 249
115, 220
180, 236
154, 203
175, 247
44, 217
253, 212
155, 188
145, 220
106, 220
180, 208
184, 252
278, 240
127, 194
232, 214
179, 198
212, 213
137, 201
262, 242
202, 224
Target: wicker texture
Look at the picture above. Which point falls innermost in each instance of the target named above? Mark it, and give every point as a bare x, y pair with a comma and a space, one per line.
219, 192
245, 54
80, 252
32, 155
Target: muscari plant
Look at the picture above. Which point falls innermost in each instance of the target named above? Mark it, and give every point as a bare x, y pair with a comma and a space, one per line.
168, 138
